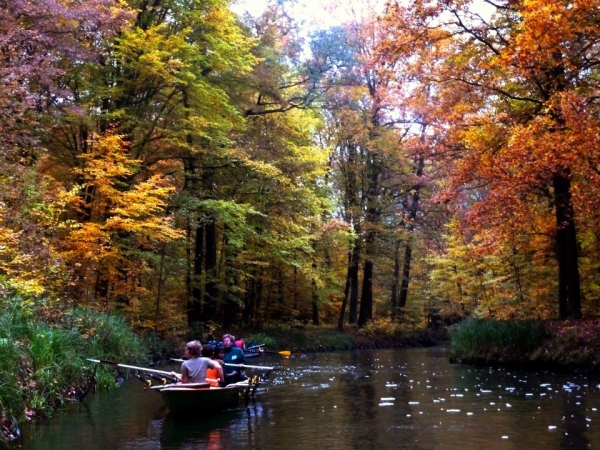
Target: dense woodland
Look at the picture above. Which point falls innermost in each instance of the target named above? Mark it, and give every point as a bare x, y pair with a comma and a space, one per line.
180, 165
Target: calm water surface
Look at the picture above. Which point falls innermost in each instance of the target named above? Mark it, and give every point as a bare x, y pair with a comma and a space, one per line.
381, 399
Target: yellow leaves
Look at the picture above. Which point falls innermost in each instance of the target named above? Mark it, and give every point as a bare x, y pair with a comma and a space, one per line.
123, 211
106, 170
19, 267
88, 243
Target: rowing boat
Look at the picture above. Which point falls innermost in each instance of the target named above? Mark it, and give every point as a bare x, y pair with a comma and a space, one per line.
198, 398
202, 398
187, 398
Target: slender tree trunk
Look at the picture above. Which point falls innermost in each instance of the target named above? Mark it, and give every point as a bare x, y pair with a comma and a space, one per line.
188, 270
195, 308
256, 318
211, 292
353, 279
315, 299
345, 299
372, 218
274, 284
353, 213
366, 299
248, 301
396, 279
566, 249
160, 285
405, 274
231, 306
295, 288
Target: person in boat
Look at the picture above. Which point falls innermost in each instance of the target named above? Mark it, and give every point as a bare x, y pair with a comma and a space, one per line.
232, 356
193, 370
239, 343
217, 355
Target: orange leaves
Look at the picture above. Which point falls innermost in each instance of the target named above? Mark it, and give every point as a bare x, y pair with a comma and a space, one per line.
125, 216
116, 204
512, 104
548, 31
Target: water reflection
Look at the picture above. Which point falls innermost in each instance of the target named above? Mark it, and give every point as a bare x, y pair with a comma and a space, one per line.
389, 399
180, 432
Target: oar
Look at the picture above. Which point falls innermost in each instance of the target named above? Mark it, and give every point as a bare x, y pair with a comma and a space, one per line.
252, 347
282, 353
241, 366
247, 366
125, 366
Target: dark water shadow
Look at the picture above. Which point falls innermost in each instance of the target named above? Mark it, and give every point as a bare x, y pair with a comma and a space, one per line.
208, 428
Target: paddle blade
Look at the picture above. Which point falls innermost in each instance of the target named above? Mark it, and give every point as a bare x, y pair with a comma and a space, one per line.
285, 353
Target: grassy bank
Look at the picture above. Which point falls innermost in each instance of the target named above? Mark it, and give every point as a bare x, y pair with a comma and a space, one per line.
558, 345
378, 334
42, 359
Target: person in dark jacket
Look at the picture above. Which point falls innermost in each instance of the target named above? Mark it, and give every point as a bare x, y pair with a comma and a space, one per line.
232, 357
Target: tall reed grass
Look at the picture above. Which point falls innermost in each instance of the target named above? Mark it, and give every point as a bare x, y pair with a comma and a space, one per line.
487, 340
44, 365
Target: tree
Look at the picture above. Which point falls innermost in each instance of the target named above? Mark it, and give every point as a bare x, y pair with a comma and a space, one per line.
41, 40
511, 94
370, 158
161, 85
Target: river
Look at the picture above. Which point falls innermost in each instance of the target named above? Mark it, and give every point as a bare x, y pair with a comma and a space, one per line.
381, 399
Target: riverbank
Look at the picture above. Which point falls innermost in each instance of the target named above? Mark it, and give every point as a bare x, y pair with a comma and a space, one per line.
42, 360
549, 345
307, 338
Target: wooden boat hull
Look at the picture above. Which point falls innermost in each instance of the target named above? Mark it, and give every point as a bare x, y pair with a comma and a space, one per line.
180, 399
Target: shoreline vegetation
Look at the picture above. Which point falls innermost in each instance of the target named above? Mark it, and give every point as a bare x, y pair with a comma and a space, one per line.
559, 346
43, 362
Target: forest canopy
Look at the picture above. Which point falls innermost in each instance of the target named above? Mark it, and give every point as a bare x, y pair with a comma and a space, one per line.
179, 164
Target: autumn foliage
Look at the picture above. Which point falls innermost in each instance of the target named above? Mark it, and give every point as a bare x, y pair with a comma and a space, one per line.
183, 166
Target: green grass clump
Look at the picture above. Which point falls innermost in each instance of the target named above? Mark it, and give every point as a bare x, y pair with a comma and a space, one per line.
491, 341
43, 365
262, 339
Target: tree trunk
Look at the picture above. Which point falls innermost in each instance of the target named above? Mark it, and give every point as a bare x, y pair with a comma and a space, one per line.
372, 218
396, 280
256, 318
211, 291
295, 288
340, 325
405, 274
248, 301
231, 305
413, 208
195, 306
566, 249
366, 299
353, 278
315, 298
159, 286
